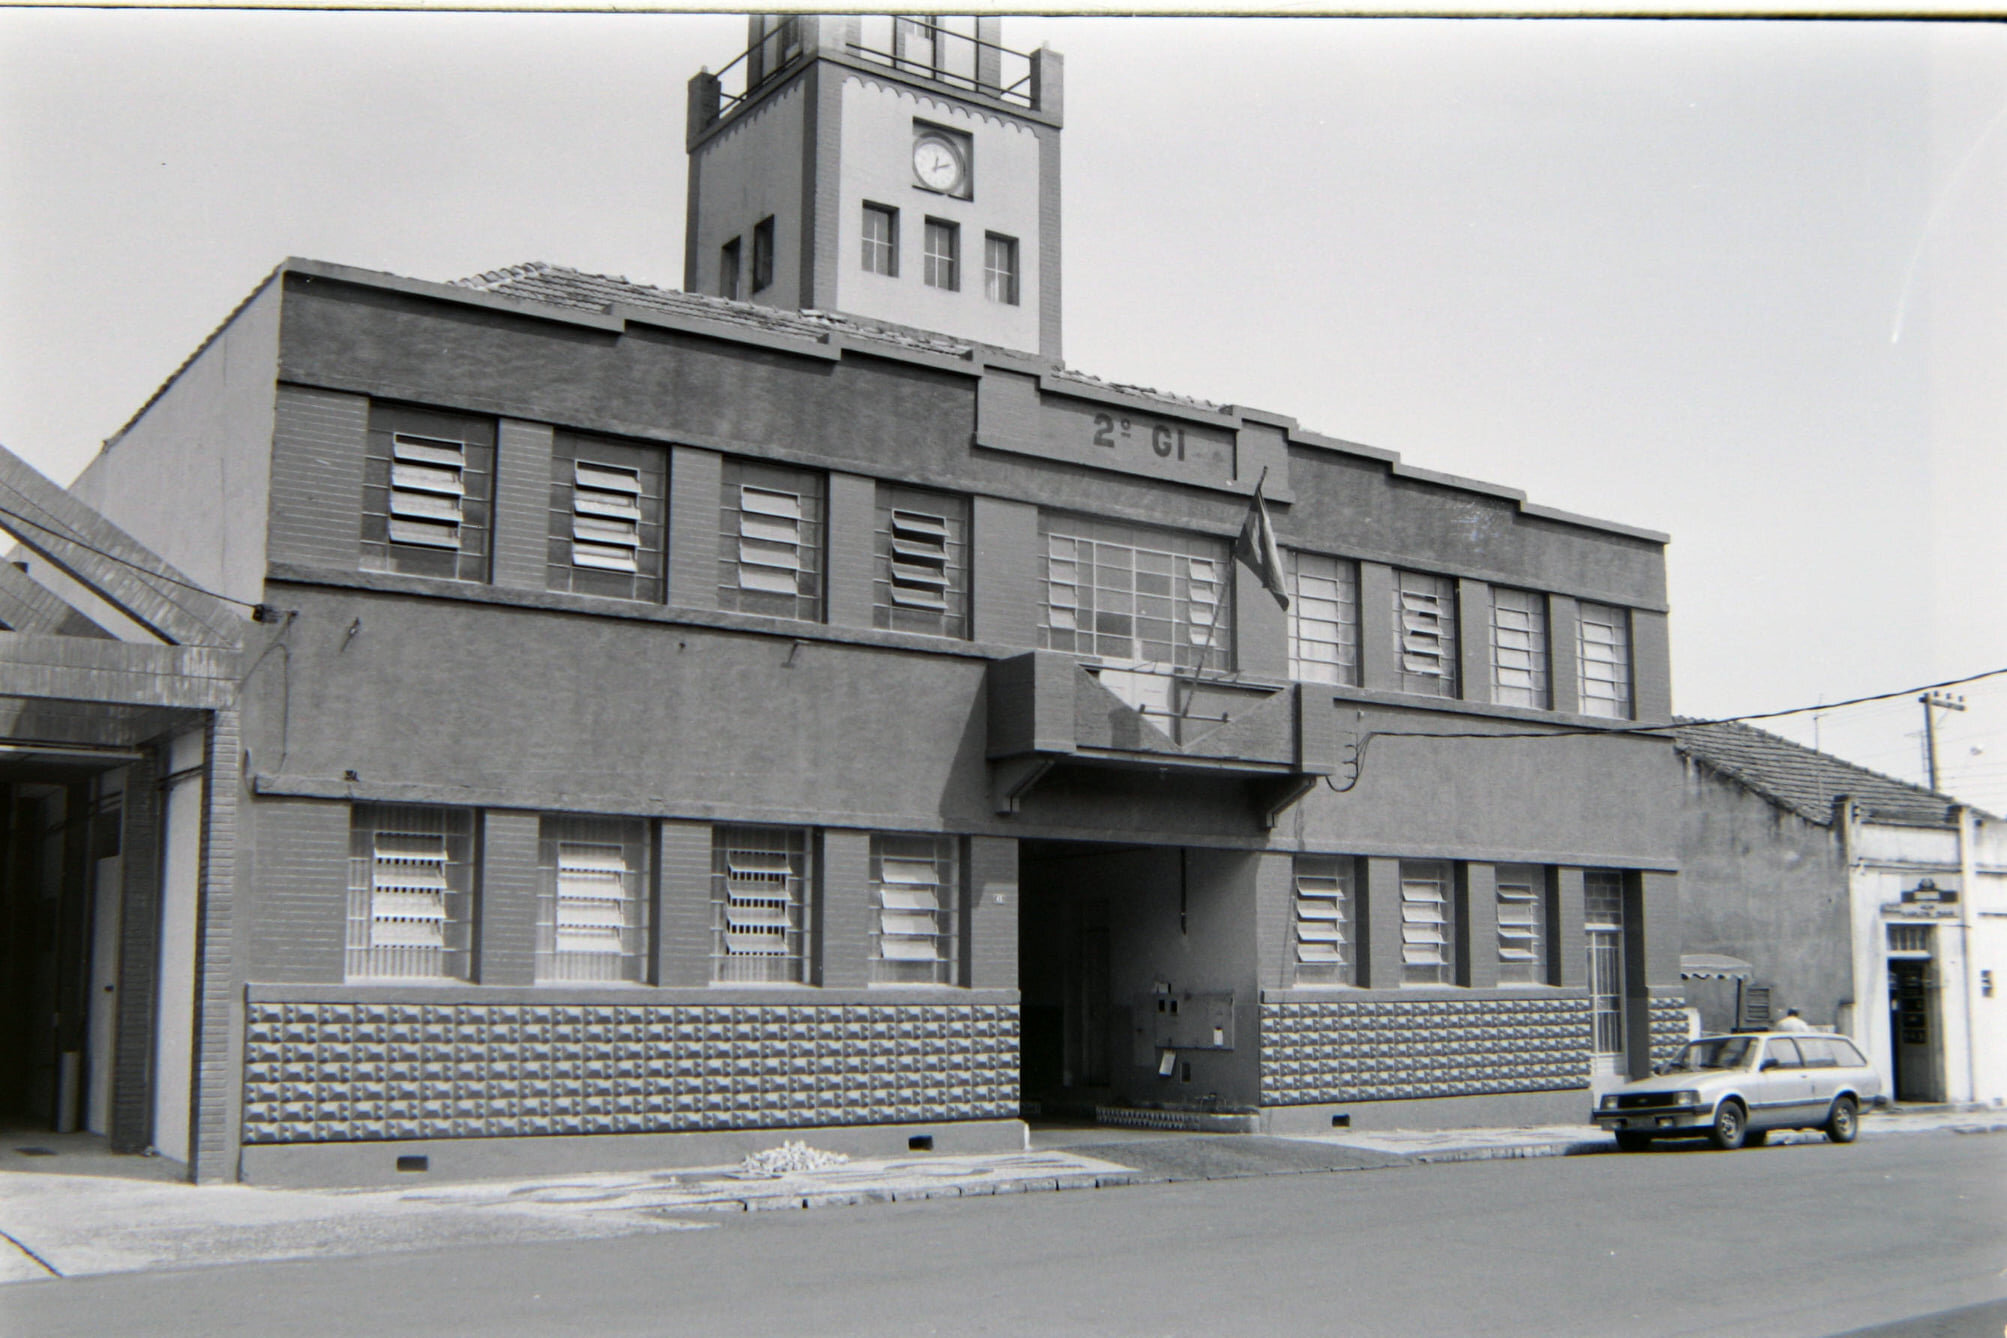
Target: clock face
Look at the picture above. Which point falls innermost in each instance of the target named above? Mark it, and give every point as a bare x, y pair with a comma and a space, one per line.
938, 165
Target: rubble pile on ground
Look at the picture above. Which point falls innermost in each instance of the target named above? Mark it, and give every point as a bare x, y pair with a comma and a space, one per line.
787, 1159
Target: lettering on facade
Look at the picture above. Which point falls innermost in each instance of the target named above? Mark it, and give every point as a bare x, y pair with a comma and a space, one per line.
1105, 436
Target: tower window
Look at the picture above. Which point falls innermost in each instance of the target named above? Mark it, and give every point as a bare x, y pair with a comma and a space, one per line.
763, 253
1000, 268
728, 270
944, 252
881, 240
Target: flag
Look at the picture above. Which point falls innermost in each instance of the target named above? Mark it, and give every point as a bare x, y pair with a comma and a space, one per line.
1255, 546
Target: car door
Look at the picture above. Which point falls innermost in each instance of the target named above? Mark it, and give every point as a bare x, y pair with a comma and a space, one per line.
1780, 1094
1823, 1074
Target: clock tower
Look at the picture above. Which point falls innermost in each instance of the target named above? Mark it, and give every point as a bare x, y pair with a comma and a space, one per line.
901, 169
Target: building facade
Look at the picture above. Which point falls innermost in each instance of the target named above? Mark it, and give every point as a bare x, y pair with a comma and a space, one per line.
676, 722
1874, 907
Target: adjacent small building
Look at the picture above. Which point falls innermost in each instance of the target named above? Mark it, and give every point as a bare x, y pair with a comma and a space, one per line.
677, 720
1872, 906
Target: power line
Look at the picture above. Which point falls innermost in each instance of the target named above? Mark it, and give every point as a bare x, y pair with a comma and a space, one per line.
68, 537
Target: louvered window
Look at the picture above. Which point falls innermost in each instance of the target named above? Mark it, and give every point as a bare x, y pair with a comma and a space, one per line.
770, 553
607, 518
1606, 660
1428, 923
1325, 944
1135, 596
1518, 648
922, 580
1323, 619
1425, 626
760, 904
427, 479
410, 892
917, 886
592, 906
1522, 924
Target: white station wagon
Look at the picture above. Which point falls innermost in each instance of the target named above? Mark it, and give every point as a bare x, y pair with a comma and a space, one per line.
1736, 1089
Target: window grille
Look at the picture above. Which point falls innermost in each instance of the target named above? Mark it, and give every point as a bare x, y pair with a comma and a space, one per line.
917, 885
1000, 268
1910, 939
1323, 917
1603, 920
1425, 617
728, 270
607, 514
760, 904
771, 541
943, 255
1131, 595
1522, 924
427, 480
881, 240
1323, 619
1428, 924
922, 580
592, 902
1518, 648
763, 253
1605, 660
410, 892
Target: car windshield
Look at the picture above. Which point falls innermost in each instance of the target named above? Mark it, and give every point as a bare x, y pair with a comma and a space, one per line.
1721, 1052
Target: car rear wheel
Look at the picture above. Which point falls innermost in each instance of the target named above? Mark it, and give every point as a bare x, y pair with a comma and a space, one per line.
1844, 1125
1629, 1142
1730, 1126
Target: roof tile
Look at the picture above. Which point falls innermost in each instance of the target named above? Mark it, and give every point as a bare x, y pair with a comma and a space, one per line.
1807, 781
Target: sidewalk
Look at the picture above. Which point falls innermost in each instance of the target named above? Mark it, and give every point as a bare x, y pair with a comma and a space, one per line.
68, 1208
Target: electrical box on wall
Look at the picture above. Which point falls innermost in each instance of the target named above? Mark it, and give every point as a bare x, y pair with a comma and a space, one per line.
1187, 1021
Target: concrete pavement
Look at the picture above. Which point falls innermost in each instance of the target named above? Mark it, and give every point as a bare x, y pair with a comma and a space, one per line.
69, 1208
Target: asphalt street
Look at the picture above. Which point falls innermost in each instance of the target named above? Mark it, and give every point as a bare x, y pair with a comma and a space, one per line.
1802, 1240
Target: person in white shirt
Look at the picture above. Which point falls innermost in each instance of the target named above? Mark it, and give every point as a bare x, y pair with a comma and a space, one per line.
1792, 1022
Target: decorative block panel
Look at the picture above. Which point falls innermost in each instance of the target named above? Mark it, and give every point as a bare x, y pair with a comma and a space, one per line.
1668, 1028
339, 1072
1402, 1050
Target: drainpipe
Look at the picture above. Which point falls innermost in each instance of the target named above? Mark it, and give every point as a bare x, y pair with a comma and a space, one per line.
1967, 881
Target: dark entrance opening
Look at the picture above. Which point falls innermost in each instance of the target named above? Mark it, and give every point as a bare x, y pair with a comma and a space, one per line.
1114, 940
1912, 1030
58, 948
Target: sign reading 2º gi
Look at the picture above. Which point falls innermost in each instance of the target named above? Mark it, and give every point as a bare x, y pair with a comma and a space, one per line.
1107, 436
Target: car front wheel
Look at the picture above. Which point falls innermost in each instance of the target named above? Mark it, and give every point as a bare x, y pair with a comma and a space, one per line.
1730, 1126
1844, 1124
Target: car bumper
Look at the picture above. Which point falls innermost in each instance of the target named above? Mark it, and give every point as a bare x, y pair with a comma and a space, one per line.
1662, 1120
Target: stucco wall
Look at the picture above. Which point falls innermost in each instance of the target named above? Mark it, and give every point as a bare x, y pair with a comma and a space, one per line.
189, 476
876, 165
750, 170
1765, 885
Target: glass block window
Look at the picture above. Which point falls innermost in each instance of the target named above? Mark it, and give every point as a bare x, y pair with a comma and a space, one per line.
1522, 924
760, 905
916, 883
881, 240
770, 541
608, 513
410, 893
922, 582
1428, 923
1323, 619
1325, 943
592, 900
1131, 595
1518, 648
428, 480
943, 255
1425, 632
1605, 658
1000, 268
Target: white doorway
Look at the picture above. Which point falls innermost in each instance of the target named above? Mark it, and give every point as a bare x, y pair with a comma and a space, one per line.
1603, 924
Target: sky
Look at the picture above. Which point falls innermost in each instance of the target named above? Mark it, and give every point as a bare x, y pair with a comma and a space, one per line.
1739, 282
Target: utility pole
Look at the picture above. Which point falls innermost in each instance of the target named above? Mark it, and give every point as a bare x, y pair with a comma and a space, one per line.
1932, 703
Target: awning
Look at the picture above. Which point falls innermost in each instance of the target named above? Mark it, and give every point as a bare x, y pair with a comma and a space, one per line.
1714, 966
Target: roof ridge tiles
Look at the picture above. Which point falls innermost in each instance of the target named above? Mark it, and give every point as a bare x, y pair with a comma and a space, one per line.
1805, 780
